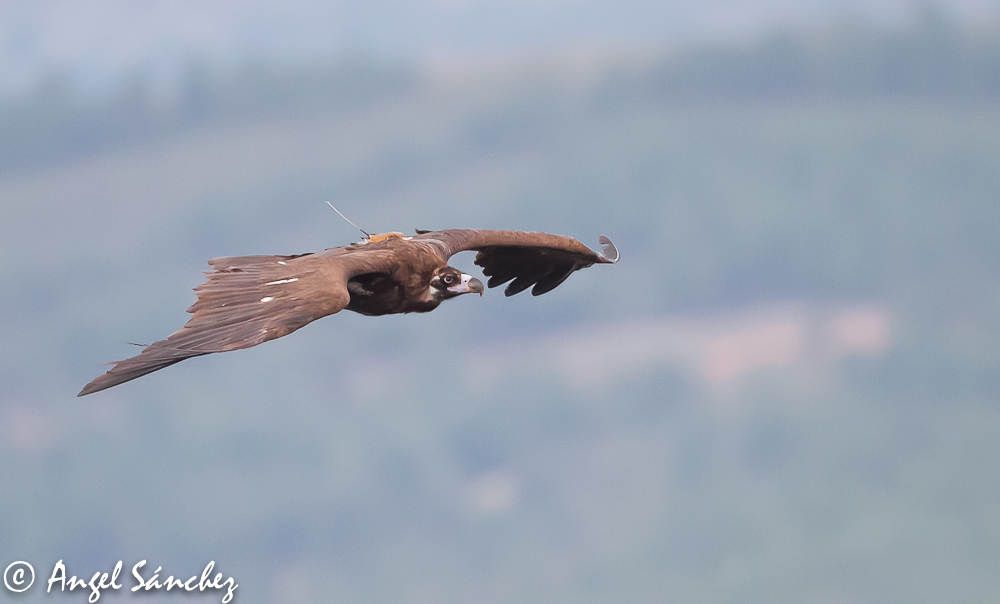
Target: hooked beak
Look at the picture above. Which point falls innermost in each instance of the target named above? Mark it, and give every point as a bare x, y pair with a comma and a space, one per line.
469, 285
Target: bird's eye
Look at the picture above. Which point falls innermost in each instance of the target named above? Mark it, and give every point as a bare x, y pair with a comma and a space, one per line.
448, 279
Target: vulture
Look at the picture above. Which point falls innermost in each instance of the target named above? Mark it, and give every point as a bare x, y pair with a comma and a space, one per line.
248, 300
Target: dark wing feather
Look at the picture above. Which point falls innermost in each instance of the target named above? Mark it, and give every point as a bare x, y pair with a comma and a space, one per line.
246, 301
540, 261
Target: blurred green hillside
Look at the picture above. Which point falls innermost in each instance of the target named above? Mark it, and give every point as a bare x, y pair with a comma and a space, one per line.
786, 391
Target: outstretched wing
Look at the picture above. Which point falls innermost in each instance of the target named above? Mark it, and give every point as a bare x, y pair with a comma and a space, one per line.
246, 301
537, 260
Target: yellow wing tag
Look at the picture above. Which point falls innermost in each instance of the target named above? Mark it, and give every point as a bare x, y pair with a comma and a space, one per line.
385, 236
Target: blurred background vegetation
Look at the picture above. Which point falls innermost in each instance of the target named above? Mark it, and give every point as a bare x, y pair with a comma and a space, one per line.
787, 391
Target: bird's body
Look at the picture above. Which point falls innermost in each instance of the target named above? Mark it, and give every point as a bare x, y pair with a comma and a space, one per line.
248, 300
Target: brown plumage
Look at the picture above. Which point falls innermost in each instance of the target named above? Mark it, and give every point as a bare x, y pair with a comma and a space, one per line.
248, 300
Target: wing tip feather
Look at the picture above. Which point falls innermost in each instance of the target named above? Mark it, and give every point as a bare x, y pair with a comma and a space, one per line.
609, 252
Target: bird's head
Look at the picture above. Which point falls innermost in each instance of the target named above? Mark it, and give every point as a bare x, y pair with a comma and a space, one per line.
449, 282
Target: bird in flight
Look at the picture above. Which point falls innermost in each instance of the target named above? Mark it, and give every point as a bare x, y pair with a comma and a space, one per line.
248, 300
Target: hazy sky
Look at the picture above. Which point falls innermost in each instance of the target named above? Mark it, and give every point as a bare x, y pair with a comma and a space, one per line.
94, 41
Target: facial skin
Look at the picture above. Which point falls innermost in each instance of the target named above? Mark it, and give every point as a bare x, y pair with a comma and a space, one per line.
451, 282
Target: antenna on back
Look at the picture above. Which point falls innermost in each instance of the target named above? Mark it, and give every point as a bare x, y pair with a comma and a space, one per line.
349, 221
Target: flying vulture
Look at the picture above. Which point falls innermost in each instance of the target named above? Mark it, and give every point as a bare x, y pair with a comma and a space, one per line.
248, 300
